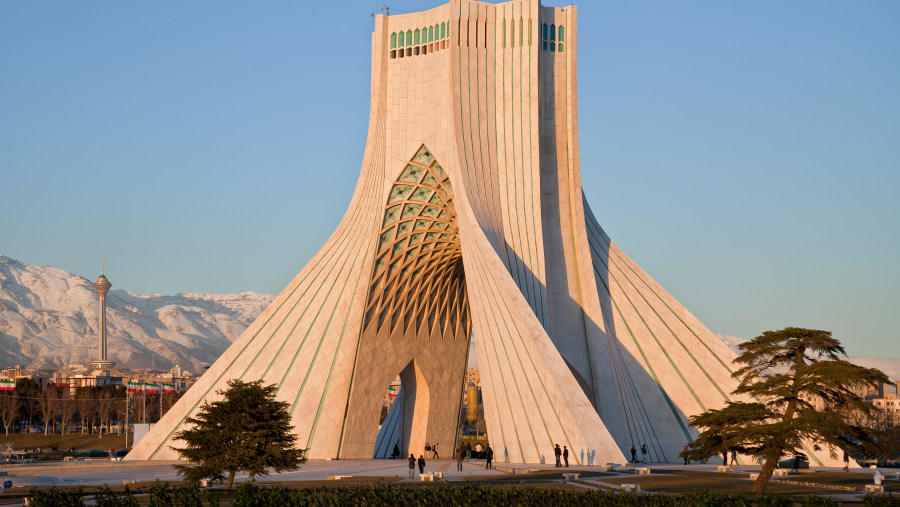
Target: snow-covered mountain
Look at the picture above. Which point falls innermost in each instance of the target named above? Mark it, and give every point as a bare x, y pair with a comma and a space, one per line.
731, 341
49, 319
890, 366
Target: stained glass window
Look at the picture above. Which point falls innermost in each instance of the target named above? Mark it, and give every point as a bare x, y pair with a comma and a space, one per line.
411, 209
423, 156
411, 173
391, 215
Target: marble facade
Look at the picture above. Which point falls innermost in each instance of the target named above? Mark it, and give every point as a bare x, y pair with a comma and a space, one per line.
468, 221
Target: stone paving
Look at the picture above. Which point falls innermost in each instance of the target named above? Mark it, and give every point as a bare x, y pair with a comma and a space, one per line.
662, 477
82, 473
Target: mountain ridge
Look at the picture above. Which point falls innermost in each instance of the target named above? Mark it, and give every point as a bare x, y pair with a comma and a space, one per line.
49, 318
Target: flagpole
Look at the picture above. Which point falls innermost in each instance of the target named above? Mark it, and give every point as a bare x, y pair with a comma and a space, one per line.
127, 408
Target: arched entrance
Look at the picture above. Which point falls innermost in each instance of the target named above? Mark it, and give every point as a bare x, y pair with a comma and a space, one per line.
416, 321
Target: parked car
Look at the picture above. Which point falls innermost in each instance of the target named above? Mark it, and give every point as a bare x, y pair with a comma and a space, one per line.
93, 453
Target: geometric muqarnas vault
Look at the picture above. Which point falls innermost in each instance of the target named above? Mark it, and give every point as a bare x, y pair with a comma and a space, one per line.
468, 223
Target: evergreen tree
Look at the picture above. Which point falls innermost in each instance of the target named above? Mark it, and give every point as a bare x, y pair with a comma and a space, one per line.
248, 430
788, 372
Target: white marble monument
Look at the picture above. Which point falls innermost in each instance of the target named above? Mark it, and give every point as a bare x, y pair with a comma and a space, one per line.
469, 220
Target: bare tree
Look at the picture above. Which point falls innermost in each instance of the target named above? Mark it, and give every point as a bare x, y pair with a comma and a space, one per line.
121, 411
105, 406
32, 408
140, 408
47, 404
29, 391
67, 409
9, 409
86, 401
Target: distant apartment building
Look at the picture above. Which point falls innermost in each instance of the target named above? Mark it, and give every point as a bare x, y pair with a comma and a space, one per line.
77, 377
880, 390
890, 404
17, 372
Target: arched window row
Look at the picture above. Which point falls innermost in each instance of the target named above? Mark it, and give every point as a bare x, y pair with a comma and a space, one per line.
553, 38
420, 41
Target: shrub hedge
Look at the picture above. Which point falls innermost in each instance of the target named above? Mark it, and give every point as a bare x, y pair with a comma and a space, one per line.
251, 495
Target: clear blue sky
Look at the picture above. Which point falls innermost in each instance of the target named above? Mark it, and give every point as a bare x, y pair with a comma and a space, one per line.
746, 154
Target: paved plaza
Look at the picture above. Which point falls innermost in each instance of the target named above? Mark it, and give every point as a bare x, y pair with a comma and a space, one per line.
98, 473
832, 482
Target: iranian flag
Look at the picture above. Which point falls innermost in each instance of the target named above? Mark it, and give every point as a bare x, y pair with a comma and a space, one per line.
7, 384
134, 387
168, 389
151, 388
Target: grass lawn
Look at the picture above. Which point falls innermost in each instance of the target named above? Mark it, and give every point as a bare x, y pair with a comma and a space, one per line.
64, 442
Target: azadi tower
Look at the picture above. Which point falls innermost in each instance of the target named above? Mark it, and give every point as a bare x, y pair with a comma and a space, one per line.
469, 223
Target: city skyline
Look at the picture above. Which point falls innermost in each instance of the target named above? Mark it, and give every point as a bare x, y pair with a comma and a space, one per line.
751, 145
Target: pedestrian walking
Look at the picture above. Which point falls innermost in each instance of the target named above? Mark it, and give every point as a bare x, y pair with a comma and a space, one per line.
459, 457
725, 457
488, 457
558, 452
412, 466
734, 460
396, 453
633, 454
846, 461
421, 464
643, 453
566, 455
686, 462
427, 447
434, 454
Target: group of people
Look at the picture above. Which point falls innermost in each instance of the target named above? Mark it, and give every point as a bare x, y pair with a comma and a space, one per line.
563, 453
562, 458
643, 454
487, 454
